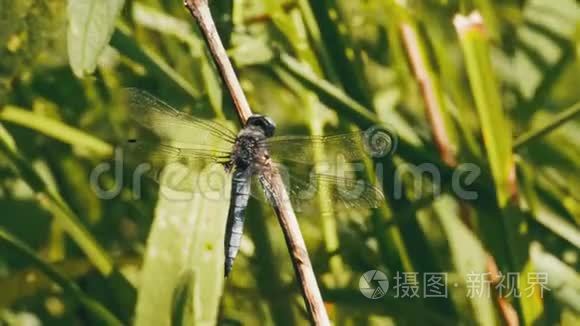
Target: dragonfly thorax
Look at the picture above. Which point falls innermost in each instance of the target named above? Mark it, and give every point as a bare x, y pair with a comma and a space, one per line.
248, 149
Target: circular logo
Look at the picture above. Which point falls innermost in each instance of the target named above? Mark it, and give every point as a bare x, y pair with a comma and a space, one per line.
373, 284
380, 141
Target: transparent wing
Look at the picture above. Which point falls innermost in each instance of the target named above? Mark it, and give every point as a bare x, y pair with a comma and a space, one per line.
167, 153
373, 142
175, 126
178, 168
350, 192
347, 191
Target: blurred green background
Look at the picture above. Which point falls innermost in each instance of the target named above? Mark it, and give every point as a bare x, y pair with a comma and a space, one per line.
500, 93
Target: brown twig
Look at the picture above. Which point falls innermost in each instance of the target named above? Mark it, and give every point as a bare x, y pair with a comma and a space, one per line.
509, 314
433, 107
199, 9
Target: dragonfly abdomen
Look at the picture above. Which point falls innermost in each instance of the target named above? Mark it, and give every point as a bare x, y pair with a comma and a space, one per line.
240, 193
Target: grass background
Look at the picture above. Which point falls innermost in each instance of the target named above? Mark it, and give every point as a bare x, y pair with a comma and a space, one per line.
500, 92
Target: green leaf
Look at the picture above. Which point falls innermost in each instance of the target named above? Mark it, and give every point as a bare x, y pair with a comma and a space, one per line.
91, 25
182, 275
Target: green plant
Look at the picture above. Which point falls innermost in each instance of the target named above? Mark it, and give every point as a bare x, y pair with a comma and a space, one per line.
498, 91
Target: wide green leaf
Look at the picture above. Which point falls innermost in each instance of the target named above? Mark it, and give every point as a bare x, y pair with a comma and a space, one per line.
91, 25
182, 276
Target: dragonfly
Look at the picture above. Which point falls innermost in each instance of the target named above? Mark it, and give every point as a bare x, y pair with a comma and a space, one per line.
251, 154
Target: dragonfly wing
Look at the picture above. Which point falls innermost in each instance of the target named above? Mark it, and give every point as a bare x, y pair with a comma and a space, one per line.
347, 191
175, 167
170, 124
373, 142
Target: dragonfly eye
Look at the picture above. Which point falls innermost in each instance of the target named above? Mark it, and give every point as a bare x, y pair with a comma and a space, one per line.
263, 122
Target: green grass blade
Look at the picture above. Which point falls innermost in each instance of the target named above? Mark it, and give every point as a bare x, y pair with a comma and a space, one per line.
468, 257
125, 42
327, 92
563, 117
161, 22
495, 127
52, 202
295, 32
56, 130
347, 56
562, 281
93, 307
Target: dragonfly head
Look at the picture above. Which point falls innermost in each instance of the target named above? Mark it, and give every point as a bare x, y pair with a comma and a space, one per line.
263, 122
